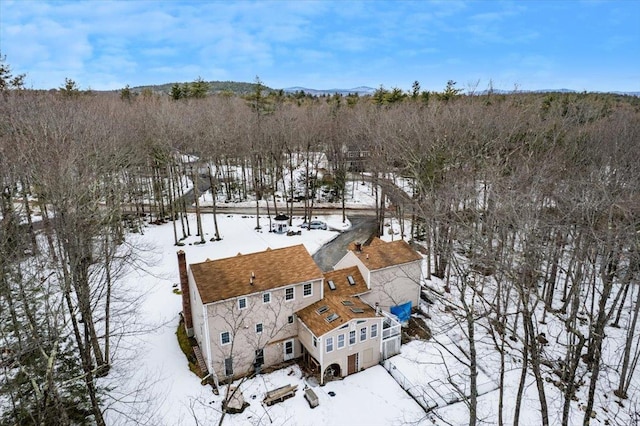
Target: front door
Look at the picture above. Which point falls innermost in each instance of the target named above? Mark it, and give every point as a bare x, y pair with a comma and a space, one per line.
288, 349
352, 364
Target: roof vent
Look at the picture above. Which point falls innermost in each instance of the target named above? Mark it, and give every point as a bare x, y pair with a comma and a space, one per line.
358, 246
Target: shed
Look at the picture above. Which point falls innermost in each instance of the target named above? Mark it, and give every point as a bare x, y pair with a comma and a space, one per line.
280, 224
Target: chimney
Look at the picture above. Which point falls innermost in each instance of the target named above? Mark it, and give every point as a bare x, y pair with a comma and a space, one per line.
358, 246
184, 288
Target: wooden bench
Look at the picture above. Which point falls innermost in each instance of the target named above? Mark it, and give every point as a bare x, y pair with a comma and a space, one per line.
280, 394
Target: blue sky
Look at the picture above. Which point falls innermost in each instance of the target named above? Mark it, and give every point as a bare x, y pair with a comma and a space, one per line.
581, 45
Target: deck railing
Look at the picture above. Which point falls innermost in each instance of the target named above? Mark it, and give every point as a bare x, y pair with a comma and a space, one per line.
391, 327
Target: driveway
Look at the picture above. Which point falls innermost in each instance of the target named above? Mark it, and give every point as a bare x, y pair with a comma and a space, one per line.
362, 227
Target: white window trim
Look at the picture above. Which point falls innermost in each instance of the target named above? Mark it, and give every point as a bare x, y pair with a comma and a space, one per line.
371, 331
329, 341
311, 293
268, 293
355, 337
261, 326
315, 342
293, 319
246, 303
293, 290
230, 338
365, 334
338, 341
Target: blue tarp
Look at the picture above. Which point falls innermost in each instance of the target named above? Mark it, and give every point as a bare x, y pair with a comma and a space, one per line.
403, 312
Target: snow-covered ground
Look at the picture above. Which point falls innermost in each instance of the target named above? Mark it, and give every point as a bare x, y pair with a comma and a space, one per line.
151, 369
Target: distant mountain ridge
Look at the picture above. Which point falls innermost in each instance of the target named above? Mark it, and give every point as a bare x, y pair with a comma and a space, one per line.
360, 90
243, 88
236, 87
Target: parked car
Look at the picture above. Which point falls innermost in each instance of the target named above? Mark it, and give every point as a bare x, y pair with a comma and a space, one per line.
314, 224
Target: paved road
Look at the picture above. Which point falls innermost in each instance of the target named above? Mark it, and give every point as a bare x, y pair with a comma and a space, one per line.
362, 227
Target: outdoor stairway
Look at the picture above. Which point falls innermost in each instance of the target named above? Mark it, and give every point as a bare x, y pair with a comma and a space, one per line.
201, 364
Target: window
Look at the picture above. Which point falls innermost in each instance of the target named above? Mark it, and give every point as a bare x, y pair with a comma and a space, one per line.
307, 289
322, 309
329, 344
259, 361
351, 280
242, 303
332, 317
259, 328
374, 331
225, 338
315, 342
266, 298
363, 334
352, 337
340, 341
332, 285
347, 303
288, 349
288, 293
290, 319
228, 367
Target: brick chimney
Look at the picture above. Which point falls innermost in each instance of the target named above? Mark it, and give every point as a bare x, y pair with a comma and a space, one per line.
184, 288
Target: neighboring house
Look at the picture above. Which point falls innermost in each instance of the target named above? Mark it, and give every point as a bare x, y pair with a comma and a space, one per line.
392, 272
257, 310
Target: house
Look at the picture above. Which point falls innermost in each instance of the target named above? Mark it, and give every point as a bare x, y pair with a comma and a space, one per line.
257, 310
392, 272
341, 334
242, 308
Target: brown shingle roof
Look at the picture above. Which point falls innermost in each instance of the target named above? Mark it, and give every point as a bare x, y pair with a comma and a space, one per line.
227, 278
333, 299
380, 254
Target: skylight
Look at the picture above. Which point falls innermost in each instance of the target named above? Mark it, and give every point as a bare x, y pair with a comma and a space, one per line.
332, 285
322, 309
347, 303
351, 280
357, 310
332, 317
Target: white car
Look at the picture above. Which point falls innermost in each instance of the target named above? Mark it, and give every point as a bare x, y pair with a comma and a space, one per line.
314, 224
